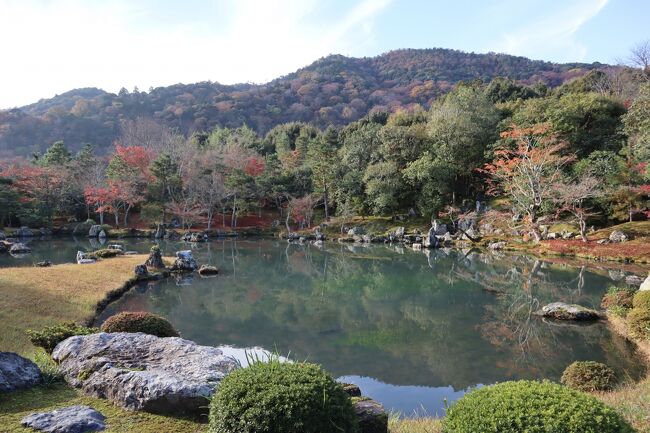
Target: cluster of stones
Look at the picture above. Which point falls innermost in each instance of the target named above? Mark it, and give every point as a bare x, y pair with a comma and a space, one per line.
141, 372
13, 246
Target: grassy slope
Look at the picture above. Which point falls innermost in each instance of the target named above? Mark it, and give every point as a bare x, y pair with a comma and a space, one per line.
35, 297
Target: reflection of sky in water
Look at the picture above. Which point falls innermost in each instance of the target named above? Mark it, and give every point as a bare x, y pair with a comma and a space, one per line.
407, 400
410, 328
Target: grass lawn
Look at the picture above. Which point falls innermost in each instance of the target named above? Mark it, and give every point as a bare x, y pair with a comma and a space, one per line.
31, 298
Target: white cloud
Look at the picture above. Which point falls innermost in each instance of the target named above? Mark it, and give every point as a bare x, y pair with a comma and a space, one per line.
553, 33
53, 46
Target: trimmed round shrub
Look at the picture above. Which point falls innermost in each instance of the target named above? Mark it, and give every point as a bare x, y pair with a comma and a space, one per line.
589, 376
50, 336
531, 407
139, 322
638, 320
642, 300
281, 397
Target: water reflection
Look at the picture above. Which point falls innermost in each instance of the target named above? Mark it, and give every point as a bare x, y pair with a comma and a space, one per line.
414, 329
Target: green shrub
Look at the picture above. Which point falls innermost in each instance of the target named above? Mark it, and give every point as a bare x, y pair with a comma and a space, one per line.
50, 371
139, 322
589, 376
638, 320
103, 254
531, 407
280, 397
642, 300
50, 336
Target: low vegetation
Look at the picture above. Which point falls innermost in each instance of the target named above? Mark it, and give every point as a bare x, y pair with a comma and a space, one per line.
34, 298
139, 321
531, 407
275, 397
48, 337
589, 376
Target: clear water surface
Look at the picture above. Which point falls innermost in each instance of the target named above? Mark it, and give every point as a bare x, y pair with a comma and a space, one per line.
413, 329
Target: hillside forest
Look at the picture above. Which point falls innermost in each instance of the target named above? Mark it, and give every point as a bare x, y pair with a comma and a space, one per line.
517, 148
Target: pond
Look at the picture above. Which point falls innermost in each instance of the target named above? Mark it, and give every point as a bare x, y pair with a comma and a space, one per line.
415, 330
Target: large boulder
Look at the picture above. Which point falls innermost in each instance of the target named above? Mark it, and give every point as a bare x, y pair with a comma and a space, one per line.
207, 270
617, 236
143, 372
371, 416
563, 311
430, 240
82, 258
439, 228
646, 284
19, 248
356, 230
141, 271
17, 372
184, 262
71, 419
155, 259
94, 231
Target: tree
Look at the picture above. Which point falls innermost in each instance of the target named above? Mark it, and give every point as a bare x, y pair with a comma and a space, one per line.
322, 159
56, 155
166, 181
527, 174
640, 58
573, 197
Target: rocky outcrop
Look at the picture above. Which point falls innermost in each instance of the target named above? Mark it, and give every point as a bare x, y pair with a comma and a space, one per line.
563, 311
618, 236
633, 280
195, 237
494, 246
19, 248
155, 259
71, 419
371, 416
439, 228
94, 231
144, 372
141, 271
646, 284
184, 262
356, 231
206, 270
351, 389
82, 259
17, 372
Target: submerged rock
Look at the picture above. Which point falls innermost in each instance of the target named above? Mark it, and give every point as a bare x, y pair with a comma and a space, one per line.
563, 311
71, 419
19, 248
17, 372
208, 270
371, 416
144, 372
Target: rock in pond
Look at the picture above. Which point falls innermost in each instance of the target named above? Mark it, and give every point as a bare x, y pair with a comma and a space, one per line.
19, 248
71, 419
184, 262
155, 259
17, 372
206, 270
94, 231
82, 259
143, 372
141, 271
24, 232
618, 236
371, 416
563, 311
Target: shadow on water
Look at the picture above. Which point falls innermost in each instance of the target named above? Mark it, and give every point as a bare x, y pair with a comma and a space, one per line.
411, 328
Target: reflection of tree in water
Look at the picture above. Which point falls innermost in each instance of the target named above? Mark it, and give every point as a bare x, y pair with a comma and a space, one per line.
401, 318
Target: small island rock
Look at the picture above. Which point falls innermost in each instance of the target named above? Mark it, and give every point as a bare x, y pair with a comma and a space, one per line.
563, 311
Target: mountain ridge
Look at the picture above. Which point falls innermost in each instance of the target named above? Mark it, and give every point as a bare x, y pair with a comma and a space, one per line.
334, 89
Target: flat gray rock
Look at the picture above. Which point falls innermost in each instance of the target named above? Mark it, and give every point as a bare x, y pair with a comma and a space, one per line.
563, 311
17, 372
371, 416
72, 419
143, 372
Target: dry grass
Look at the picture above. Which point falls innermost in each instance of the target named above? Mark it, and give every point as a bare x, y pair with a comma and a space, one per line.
35, 297
414, 425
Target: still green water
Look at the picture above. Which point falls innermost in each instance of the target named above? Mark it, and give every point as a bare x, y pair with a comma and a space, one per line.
413, 329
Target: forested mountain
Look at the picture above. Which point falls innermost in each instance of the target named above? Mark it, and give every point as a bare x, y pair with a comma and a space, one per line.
333, 90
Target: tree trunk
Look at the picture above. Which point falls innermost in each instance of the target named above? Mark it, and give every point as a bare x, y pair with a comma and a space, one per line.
327, 214
126, 215
583, 230
117, 218
101, 218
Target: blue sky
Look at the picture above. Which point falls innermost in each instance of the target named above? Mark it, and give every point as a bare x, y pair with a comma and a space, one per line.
50, 46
